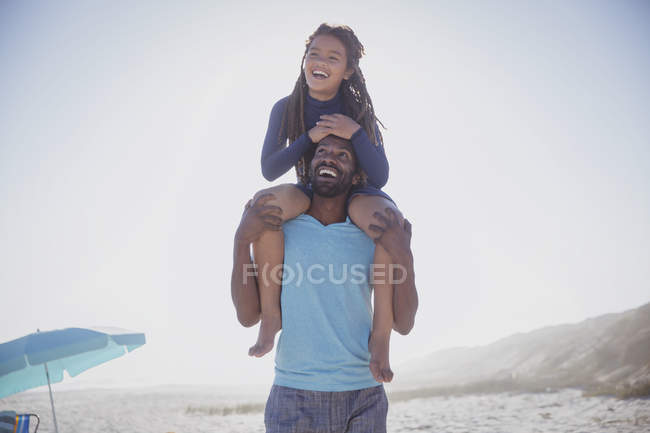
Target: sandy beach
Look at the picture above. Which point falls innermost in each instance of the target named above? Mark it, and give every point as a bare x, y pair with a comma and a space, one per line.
202, 409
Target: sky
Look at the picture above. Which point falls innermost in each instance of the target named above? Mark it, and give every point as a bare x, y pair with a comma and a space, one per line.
518, 137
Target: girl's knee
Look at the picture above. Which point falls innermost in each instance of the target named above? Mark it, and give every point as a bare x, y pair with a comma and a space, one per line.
279, 191
362, 209
287, 197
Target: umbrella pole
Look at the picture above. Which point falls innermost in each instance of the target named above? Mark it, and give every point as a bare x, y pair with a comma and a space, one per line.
47, 373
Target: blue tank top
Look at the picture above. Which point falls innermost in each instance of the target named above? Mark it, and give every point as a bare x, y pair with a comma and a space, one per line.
326, 307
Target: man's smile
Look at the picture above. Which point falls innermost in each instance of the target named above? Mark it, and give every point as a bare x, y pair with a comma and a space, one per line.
327, 172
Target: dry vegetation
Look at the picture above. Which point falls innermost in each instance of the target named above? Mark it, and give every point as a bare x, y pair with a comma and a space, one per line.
243, 408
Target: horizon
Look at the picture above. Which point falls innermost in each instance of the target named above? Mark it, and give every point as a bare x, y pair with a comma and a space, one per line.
130, 138
257, 389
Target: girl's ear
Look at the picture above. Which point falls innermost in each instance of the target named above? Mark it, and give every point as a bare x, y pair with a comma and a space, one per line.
348, 73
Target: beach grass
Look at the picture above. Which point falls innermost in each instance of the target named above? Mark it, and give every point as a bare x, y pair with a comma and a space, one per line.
623, 392
238, 409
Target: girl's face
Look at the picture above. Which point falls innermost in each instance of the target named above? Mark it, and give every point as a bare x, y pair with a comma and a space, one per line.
326, 67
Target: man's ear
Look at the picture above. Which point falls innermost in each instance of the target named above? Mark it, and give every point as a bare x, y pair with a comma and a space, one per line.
356, 178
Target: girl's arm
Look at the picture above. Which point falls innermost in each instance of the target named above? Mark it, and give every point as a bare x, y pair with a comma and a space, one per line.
372, 159
277, 159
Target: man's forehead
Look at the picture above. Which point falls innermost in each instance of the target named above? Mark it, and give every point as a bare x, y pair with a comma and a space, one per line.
336, 142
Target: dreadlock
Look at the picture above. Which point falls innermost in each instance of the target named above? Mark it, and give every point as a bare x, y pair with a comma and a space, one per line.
356, 99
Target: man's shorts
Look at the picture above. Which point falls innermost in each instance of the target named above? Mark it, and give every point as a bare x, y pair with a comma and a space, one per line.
290, 410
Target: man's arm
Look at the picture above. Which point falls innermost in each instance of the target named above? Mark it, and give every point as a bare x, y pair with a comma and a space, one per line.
256, 219
405, 294
396, 240
243, 285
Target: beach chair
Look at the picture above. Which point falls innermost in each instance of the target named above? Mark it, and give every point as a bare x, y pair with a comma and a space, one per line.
11, 422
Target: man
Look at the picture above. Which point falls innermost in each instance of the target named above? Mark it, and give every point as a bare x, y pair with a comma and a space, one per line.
323, 382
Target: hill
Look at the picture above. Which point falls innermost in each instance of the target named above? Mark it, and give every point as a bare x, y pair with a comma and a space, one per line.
609, 353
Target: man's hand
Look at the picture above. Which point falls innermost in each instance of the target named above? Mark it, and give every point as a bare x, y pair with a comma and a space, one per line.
393, 236
257, 218
339, 125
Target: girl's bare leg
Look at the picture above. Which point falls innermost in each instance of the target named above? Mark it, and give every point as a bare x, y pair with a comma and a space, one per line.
382, 321
361, 210
268, 254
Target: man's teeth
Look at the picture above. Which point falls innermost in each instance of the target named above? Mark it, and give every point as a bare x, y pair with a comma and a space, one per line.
321, 73
327, 171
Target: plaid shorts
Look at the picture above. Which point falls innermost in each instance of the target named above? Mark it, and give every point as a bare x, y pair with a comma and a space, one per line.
290, 410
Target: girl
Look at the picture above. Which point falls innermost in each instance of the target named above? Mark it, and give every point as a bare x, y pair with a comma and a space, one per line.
330, 97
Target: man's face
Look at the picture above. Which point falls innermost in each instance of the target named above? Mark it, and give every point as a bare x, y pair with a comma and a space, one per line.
333, 168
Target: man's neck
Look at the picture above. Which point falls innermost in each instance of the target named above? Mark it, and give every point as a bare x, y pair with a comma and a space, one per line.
328, 210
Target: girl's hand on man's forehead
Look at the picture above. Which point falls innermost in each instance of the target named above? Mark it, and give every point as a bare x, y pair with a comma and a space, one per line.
339, 125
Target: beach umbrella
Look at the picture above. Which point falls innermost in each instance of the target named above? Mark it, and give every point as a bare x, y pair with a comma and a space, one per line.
39, 359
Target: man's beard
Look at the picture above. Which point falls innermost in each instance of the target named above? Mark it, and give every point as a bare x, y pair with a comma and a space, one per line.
329, 190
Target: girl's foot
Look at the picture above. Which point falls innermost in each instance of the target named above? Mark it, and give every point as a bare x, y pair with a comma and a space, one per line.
269, 326
379, 364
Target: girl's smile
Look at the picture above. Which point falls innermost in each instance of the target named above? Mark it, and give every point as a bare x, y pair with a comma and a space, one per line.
326, 67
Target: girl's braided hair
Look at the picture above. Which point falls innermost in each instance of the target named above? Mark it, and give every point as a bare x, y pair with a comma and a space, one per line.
356, 99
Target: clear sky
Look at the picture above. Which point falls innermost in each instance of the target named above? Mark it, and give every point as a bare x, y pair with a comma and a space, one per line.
518, 135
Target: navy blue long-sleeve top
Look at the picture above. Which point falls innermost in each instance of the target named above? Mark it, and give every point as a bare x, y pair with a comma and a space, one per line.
277, 159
